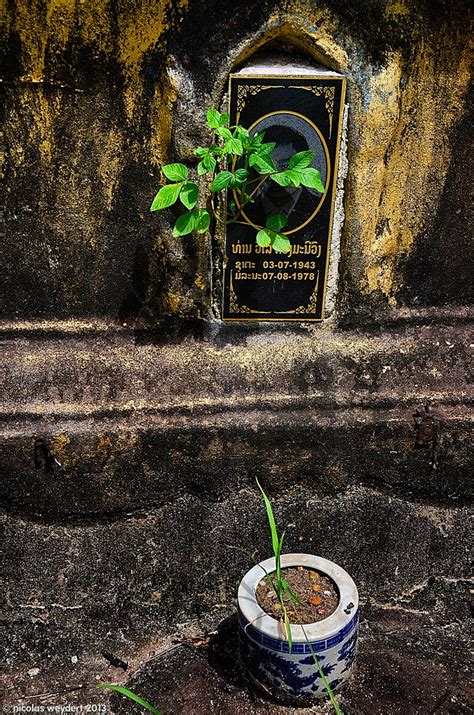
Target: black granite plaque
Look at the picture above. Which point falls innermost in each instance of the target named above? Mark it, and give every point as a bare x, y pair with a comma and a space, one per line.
297, 113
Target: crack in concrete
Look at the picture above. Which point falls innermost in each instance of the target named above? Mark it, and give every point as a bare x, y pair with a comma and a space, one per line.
49, 605
399, 602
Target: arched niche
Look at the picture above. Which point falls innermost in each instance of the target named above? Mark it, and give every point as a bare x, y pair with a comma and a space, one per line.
300, 105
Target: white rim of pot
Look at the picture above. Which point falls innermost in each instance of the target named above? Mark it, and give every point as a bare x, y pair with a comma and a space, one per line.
321, 630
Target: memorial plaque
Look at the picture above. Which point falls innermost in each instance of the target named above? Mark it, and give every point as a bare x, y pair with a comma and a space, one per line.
298, 113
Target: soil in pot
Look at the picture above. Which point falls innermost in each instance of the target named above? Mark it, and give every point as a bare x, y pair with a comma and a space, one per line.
316, 591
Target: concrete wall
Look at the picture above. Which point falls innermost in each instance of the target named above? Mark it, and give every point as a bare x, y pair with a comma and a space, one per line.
159, 416
100, 94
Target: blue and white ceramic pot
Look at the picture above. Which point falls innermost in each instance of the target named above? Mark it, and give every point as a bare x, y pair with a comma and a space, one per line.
264, 646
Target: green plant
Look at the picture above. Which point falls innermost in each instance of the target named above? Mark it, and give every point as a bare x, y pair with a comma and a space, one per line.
241, 162
281, 587
275, 581
128, 693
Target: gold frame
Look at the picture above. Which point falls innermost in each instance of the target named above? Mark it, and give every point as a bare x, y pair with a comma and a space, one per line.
328, 165
333, 196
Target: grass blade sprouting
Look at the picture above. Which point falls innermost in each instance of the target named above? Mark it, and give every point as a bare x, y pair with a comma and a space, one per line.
290, 593
128, 693
271, 519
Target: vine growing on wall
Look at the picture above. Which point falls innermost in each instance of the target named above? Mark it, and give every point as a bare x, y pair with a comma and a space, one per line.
240, 162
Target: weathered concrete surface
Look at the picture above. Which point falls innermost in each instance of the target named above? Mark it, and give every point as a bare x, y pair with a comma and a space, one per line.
135, 425
408, 664
100, 95
135, 585
122, 548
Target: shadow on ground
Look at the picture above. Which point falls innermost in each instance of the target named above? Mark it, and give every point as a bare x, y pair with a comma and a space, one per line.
409, 663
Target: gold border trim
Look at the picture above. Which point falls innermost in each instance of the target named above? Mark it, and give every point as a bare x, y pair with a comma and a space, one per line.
328, 164
336, 77
331, 218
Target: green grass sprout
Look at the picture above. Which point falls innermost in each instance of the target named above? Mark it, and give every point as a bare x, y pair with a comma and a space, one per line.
128, 694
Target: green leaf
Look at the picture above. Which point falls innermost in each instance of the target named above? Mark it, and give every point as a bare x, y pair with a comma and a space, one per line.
294, 176
207, 163
239, 177
202, 220
184, 224
189, 194
166, 196
288, 631
128, 693
281, 178
276, 222
262, 163
257, 139
215, 119
175, 172
224, 132
201, 151
302, 159
241, 133
281, 244
210, 163
312, 179
278, 561
266, 148
221, 181
290, 593
233, 146
264, 238
271, 520
290, 177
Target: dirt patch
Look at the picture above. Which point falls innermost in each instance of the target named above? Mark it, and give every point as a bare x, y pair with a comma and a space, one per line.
317, 593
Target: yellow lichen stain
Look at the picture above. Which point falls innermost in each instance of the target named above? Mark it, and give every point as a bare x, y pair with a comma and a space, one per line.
139, 31
103, 450
110, 159
201, 283
173, 302
161, 119
44, 109
107, 448
58, 444
60, 15
94, 20
397, 7
397, 175
143, 27
51, 26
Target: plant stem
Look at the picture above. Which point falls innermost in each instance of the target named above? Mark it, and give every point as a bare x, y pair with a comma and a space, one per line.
336, 707
261, 181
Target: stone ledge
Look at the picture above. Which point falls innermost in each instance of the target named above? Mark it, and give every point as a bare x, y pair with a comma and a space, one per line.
136, 425
113, 466
118, 370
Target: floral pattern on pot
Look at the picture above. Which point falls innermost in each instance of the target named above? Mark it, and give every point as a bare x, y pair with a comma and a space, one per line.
265, 650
